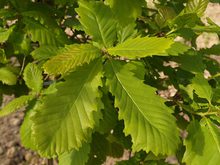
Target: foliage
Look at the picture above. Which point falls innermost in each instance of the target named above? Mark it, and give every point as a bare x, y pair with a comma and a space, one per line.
89, 76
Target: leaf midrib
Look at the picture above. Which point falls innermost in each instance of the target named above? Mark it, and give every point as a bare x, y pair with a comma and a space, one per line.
67, 111
98, 25
213, 135
115, 72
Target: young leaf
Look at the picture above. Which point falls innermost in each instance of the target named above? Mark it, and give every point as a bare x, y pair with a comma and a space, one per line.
98, 21
68, 58
202, 144
196, 6
33, 77
141, 47
7, 76
76, 157
15, 104
68, 113
146, 118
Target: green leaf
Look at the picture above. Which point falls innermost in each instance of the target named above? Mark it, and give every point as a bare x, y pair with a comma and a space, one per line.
126, 32
7, 76
3, 58
187, 20
68, 58
98, 21
20, 42
214, 50
196, 6
101, 147
5, 33
146, 118
126, 11
177, 48
63, 2
26, 133
202, 87
76, 157
202, 144
43, 13
208, 29
40, 33
44, 52
166, 12
141, 47
15, 105
164, 16
215, 1
192, 62
68, 113
33, 77
110, 117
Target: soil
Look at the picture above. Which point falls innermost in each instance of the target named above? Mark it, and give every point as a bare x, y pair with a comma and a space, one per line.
11, 150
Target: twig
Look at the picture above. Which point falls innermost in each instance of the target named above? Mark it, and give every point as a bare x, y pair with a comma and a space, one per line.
50, 161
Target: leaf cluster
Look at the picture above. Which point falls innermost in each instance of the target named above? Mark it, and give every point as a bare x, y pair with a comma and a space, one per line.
91, 76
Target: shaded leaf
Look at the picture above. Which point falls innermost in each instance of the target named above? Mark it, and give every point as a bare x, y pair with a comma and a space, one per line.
44, 52
76, 157
187, 20
191, 62
40, 33
5, 33
101, 148
110, 116
202, 87
196, 6
214, 50
202, 144
126, 11
126, 32
177, 48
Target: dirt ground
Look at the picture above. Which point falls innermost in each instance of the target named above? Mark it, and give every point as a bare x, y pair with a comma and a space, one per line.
11, 151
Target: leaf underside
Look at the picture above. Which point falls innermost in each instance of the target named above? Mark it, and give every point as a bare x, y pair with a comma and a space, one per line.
68, 58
